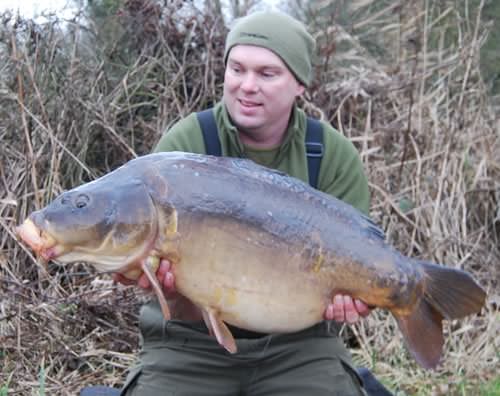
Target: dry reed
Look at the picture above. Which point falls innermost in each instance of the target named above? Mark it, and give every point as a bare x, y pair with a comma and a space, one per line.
72, 108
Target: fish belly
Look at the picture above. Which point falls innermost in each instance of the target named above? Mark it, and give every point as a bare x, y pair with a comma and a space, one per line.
253, 279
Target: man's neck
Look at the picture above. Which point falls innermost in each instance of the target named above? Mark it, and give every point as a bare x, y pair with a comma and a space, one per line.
266, 137
261, 140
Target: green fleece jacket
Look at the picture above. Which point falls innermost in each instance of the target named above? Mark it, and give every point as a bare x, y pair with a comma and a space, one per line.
341, 173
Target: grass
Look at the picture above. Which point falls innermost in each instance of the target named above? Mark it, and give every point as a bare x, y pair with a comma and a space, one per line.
4, 388
73, 109
41, 380
492, 388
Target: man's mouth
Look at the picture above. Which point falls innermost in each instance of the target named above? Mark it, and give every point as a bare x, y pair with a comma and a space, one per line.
248, 103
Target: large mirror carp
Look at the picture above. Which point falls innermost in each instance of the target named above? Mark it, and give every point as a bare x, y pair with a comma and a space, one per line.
250, 246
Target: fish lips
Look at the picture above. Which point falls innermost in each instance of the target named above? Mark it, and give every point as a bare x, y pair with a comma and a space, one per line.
40, 241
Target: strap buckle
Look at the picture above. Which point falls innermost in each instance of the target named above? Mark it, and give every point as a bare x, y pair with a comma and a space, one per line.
314, 150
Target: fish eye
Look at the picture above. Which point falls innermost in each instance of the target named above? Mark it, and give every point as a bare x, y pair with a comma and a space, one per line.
81, 201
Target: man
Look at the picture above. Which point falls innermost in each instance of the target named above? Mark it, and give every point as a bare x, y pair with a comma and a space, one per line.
268, 65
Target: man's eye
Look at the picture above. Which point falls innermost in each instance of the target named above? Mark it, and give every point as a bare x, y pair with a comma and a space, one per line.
268, 74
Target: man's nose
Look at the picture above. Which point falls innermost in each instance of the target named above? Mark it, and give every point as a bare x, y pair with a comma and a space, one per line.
249, 82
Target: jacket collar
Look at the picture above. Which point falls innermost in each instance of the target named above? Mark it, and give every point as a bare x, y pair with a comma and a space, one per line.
295, 126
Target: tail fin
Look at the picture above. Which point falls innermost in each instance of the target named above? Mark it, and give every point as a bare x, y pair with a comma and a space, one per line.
423, 333
448, 293
452, 292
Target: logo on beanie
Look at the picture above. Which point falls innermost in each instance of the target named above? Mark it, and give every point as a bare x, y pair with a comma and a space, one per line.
255, 35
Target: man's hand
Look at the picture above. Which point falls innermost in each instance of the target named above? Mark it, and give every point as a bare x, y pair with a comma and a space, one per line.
180, 307
346, 309
163, 273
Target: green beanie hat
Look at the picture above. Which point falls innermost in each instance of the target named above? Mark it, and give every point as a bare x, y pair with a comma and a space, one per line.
280, 33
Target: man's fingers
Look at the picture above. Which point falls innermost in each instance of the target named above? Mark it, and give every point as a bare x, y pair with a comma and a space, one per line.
144, 282
163, 273
338, 308
346, 309
329, 315
163, 269
169, 285
351, 314
166, 277
362, 308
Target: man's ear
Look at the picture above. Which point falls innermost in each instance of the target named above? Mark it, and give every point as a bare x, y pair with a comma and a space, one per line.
300, 89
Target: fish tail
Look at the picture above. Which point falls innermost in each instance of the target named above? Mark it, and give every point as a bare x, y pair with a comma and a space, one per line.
423, 333
454, 293
448, 294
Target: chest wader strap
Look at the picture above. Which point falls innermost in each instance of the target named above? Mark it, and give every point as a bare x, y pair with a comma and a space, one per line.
314, 149
210, 132
314, 142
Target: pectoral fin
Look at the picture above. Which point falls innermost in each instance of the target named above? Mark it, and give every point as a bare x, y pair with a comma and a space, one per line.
218, 328
168, 241
206, 319
149, 266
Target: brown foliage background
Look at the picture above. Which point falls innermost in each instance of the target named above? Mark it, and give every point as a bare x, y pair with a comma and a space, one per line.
73, 107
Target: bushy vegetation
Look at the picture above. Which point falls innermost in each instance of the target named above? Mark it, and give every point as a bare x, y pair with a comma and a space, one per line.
80, 97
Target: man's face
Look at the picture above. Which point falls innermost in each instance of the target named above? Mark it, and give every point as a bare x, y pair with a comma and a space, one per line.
259, 89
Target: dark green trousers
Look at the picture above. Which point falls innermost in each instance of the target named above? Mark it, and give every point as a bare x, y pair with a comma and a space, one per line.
181, 359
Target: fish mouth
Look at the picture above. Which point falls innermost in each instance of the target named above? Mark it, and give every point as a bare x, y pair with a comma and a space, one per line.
41, 242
